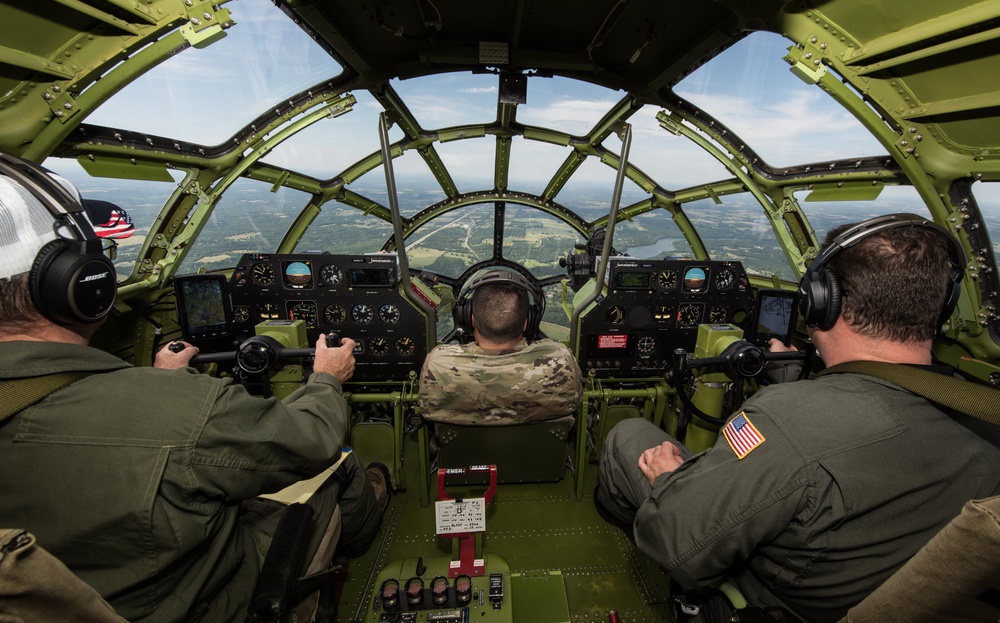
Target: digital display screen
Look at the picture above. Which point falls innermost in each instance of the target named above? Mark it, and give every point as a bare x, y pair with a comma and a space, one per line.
775, 315
632, 280
202, 306
375, 277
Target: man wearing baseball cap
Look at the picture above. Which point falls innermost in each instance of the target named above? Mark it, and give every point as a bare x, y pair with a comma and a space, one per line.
135, 477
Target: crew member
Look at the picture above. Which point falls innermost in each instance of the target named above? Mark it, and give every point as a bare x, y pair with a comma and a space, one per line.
816, 491
135, 477
502, 377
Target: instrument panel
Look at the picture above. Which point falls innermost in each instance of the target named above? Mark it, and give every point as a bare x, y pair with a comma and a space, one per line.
653, 307
357, 296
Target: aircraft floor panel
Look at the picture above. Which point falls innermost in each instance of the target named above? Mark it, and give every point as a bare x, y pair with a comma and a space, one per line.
537, 530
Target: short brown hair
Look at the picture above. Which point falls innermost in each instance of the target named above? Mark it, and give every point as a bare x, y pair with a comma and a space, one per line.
500, 311
18, 313
893, 283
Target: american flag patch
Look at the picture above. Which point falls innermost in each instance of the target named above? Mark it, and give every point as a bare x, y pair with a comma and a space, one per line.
742, 436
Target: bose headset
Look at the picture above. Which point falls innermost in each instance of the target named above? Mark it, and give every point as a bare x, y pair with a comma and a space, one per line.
536, 300
71, 280
820, 296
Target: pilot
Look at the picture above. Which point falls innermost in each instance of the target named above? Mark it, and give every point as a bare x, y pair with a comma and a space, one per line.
136, 477
501, 378
816, 491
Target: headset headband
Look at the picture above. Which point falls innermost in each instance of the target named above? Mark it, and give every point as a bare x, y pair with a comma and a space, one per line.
819, 289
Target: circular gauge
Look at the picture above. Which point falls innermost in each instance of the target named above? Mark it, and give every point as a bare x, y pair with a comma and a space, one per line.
688, 314
268, 311
646, 346
694, 279
718, 314
389, 314
405, 345
615, 315
262, 274
362, 314
303, 310
241, 314
298, 275
334, 314
667, 280
331, 275
724, 279
378, 346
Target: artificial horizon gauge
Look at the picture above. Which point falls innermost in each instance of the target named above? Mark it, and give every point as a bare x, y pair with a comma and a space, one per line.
303, 310
378, 346
389, 314
362, 314
241, 313
262, 274
666, 279
331, 275
405, 345
334, 314
268, 311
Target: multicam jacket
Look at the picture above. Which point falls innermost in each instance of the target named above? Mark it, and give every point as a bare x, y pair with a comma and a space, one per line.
461, 384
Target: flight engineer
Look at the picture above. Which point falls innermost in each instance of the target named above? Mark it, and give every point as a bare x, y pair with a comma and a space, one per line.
136, 477
817, 491
501, 378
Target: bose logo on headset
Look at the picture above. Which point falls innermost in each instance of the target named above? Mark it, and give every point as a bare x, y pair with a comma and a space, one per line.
536, 304
820, 295
71, 280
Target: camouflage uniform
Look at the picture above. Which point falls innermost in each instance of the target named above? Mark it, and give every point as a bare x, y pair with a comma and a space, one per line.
461, 384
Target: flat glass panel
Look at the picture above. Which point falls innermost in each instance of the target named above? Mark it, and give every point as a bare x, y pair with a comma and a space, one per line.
673, 162
327, 147
249, 218
142, 201
344, 230
537, 240
566, 105
591, 188
652, 235
471, 162
533, 163
750, 89
250, 72
447, 100
825, 215
453, 241
738, 230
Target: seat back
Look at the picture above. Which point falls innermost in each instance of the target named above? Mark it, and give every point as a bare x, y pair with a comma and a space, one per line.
532, 452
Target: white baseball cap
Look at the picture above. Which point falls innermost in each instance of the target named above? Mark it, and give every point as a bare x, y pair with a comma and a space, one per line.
26, 225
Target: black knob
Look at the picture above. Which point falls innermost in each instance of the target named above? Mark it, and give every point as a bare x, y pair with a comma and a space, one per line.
176, 347
333, 339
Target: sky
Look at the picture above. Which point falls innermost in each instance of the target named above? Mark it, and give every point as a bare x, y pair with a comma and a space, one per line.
206, 95
195, 97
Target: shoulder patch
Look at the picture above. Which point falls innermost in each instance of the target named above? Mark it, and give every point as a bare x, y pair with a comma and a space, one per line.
743, 437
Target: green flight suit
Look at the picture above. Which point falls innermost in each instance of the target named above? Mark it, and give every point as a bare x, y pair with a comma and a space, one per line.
843, 478
134, 476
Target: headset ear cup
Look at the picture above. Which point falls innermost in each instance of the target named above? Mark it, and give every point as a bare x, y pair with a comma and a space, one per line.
831, 284
72, 287
820, 298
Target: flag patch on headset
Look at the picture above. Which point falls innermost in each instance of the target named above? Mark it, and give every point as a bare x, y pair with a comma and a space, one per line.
742, 436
